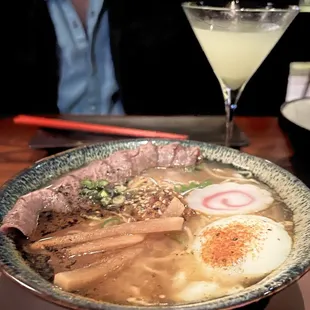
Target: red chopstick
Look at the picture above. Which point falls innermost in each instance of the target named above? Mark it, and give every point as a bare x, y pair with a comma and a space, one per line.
95, 128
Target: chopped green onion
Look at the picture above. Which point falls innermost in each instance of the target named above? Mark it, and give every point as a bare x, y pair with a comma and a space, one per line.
103, 194
192, 185
205, 184
88, 184
111, 221
118, 200
101, 191
105, 201
120, 189
85, 191
102, 183
92, 194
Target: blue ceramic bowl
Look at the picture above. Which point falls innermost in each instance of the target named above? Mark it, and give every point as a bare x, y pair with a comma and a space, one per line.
294, 193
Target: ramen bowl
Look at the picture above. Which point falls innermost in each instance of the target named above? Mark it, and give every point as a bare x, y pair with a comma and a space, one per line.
291, 190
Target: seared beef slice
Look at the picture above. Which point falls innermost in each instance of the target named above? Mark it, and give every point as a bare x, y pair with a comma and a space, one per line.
62, 195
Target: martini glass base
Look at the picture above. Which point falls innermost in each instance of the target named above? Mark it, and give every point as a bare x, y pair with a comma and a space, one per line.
229, 140
231, 98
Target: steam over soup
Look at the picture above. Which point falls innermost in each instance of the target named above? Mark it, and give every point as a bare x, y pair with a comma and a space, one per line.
153, 226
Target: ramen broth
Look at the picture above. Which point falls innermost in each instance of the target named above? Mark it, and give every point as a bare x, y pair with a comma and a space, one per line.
145, 267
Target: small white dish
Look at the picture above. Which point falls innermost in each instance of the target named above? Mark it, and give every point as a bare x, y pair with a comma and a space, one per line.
298, 112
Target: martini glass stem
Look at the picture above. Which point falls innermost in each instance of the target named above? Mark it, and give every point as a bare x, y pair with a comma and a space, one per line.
231, 97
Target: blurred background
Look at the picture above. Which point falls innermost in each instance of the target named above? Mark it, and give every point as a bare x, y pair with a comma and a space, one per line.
31, 74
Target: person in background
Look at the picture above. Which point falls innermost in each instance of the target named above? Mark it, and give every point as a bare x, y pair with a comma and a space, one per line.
87, 83
120, 57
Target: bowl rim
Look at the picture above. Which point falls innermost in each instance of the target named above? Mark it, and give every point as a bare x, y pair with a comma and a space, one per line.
64, 298
287, 103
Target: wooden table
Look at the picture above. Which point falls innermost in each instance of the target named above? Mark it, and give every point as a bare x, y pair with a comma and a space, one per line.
266, 141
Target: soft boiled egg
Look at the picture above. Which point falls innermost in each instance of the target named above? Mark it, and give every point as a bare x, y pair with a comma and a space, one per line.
241, 247
229, 199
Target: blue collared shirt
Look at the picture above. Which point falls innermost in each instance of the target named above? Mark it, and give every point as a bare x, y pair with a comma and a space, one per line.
87, 79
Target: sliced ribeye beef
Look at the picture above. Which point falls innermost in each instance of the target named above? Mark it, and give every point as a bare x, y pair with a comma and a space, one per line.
63, 194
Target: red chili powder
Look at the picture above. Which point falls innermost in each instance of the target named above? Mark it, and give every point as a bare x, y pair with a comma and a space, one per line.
225, 246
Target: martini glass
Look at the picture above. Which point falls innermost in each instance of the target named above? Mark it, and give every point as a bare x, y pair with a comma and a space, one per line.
236, 41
